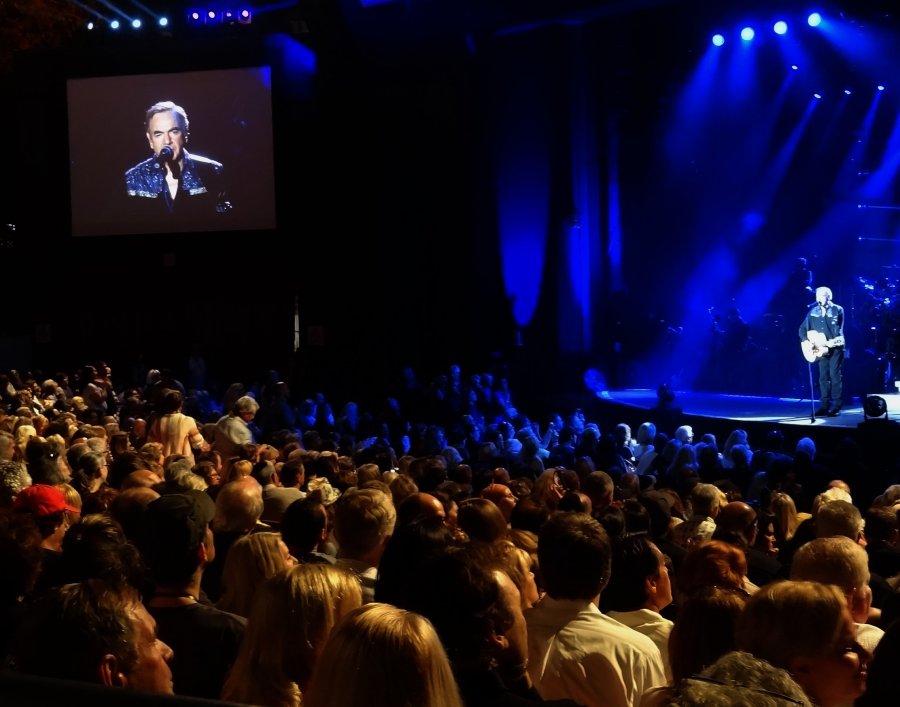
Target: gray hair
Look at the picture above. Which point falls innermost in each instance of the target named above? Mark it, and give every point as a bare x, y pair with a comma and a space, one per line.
245, 404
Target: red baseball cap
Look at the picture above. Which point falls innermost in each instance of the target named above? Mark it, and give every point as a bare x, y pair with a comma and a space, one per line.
42, 500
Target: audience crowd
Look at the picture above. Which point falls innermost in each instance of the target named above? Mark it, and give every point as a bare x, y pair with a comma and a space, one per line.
441, 548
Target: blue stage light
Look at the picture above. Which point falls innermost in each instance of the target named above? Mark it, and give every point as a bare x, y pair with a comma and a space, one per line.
817, 95
718, 40
136, 23
880, 87
114, 24
747, 34
163, 21
814, 20
780, 27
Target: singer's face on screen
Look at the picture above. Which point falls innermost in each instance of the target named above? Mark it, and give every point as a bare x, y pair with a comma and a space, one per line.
166, 129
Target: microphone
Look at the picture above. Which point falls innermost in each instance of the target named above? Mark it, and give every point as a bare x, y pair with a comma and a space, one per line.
165, 154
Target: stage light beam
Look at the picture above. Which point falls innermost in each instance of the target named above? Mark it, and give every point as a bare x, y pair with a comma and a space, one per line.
814, 19
718, 40
780, 27
747, 34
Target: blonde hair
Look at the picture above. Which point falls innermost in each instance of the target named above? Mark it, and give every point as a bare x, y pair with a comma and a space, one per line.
292, 616
250, 561
785, 511
397, 659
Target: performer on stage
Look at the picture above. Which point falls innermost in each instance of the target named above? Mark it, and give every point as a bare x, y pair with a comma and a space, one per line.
822, 340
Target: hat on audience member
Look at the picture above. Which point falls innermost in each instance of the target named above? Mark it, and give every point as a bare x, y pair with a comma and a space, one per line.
179, 519
321, 484
42, 500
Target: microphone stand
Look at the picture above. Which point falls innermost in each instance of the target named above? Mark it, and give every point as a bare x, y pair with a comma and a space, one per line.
812, 397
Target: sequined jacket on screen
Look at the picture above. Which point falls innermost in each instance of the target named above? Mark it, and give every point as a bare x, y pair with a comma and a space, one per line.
201, 179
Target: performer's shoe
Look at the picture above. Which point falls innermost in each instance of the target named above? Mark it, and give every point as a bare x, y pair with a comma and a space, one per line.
834, 412
822, 412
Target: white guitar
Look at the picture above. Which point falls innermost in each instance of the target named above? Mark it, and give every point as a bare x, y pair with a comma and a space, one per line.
816, 345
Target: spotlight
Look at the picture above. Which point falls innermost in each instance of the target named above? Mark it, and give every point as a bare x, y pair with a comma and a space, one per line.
817, 95
875, 407
780, 27
814, 20
210, 15
747, 34
90, 25
163, 21
245, 16
136, 23
880, 87
795, 67
114, 24
718, 40
194, 17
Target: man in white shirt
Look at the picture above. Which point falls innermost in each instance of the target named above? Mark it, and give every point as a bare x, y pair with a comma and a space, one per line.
574, 650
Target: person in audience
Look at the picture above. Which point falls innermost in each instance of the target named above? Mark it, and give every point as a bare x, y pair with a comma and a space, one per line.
840, 518
238, 508
175, 431
251, 560
476, 610
738, 678
283, 489
305, 529
363, 523
502, 496
397, 659
93, 632
806, 628
712, 564
738, 524
177, 545
840, 561
639, 589
233, 430
47, 506
706, 503
574, 650
482, 520
411, 547
291, 619
704, 629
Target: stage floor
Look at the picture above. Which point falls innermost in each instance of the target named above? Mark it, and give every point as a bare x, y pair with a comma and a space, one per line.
747, 408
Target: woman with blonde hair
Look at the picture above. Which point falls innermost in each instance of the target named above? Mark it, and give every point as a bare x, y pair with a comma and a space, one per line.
292, 617
396, 658
250, 561
786, 518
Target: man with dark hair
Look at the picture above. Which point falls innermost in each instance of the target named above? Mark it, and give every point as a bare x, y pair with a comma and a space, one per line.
304, 529
172, 180
93, 632
280, 488
574, 650
177, 545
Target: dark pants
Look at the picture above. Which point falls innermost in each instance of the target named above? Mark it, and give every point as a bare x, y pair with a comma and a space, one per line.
831, 382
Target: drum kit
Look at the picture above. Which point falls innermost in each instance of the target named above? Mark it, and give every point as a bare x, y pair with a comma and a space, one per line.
876, 310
